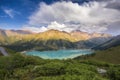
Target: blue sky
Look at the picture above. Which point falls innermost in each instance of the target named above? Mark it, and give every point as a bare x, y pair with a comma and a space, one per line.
20, 11
41, 15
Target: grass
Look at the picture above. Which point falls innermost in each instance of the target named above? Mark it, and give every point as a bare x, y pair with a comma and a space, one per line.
111, 55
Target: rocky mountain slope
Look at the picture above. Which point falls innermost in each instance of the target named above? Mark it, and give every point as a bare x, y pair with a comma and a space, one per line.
51, 39
115, 41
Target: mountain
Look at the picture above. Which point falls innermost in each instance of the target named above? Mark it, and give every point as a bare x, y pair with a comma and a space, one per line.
10, 36
56, 35
115, 41
51, 34
3, 36
10, 33
95, 38
79, 35
49, 40
23, 31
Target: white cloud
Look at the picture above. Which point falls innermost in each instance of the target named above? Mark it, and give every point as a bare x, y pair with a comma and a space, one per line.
57, 26
92, 28
34, 29
68, 16
9, 12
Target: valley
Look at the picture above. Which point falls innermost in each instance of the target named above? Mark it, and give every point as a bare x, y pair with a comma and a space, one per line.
59, 39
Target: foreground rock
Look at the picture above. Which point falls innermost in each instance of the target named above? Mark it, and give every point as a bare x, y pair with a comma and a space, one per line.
3, 51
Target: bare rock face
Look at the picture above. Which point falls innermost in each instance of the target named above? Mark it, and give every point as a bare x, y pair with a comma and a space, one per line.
95, 35
80, 35
2, 35
3, 51
115, 41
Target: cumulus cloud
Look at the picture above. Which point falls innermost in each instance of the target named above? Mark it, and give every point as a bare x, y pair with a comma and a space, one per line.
67, 16
57, 26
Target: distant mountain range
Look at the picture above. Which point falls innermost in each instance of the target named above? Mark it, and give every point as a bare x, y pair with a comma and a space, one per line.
115, 41
51, 39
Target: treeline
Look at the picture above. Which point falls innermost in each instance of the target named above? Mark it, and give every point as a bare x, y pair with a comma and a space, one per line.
40, 45
47, 45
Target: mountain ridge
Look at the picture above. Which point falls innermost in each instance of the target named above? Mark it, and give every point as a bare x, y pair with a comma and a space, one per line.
53, 34
115, 41
51, 39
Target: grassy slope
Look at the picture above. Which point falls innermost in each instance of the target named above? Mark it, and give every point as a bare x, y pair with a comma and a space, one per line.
111, 55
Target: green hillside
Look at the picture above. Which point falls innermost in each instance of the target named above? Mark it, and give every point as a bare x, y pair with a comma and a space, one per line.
111, 55
21, 67
41, 45
48, 45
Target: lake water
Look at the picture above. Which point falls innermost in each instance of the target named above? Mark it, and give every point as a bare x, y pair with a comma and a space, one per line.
60, 54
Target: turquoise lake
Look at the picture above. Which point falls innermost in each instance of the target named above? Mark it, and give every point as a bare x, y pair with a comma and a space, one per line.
59, 54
